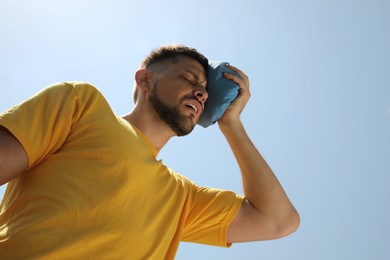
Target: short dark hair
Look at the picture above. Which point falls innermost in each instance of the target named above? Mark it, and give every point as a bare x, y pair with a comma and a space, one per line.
169, 53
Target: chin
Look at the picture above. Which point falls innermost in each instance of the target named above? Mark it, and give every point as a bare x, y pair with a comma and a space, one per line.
184, 128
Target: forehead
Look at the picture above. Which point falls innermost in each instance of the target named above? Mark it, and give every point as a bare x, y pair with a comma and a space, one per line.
187, 64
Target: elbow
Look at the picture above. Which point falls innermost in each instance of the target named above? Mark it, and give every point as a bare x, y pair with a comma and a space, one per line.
288, 225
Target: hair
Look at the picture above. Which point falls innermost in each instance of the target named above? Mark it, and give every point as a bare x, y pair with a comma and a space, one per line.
168, 54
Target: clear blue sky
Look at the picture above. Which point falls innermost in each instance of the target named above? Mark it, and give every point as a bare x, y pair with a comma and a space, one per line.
319, 113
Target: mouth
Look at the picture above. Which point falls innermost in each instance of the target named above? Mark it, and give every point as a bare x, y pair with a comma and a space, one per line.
194, 105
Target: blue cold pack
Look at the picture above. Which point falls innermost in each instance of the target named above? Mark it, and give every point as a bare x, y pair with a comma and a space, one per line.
221, 92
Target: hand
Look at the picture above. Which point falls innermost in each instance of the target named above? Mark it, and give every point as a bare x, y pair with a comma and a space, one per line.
234, 110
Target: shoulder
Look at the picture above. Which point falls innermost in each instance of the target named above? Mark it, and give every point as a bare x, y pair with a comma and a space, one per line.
80, 87
72, 86
77, 96
84, 92
66, 89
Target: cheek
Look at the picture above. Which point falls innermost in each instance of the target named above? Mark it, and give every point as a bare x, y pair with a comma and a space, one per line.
170, 93
165, 94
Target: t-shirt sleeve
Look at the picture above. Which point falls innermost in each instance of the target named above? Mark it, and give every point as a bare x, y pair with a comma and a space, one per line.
211, 212
43, 122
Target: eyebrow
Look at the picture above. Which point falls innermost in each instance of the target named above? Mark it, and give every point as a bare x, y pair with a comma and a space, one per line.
196, 77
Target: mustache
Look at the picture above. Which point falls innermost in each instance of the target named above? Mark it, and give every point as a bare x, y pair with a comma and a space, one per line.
191, 97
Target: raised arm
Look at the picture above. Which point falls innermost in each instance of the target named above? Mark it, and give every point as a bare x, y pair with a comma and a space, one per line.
267, 213
13, 157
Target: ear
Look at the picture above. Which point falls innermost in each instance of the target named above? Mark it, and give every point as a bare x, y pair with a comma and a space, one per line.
143, 79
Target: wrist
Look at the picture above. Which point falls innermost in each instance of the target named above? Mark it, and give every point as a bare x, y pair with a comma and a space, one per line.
230, 124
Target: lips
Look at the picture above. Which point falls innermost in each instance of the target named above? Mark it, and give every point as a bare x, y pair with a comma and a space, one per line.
194, 105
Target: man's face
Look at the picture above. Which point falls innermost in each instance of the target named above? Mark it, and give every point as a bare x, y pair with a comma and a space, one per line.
179, 93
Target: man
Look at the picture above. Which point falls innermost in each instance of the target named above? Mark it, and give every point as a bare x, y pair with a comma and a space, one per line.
85, 183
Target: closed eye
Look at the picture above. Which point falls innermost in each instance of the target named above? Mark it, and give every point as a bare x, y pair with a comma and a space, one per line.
195, 78
189, 81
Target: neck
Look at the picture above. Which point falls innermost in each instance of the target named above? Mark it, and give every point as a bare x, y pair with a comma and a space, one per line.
151, 126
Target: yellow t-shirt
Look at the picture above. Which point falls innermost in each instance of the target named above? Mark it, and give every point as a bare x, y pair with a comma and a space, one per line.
94, 188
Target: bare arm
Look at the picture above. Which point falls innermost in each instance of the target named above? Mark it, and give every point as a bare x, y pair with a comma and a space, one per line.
267, 213
13, 157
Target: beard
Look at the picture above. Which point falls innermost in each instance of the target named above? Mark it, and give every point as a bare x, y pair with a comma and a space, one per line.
180, 124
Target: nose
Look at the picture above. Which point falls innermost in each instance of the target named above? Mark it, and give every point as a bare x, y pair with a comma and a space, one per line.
201, 94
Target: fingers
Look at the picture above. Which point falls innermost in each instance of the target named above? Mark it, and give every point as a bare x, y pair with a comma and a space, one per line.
242, 80
236, 70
